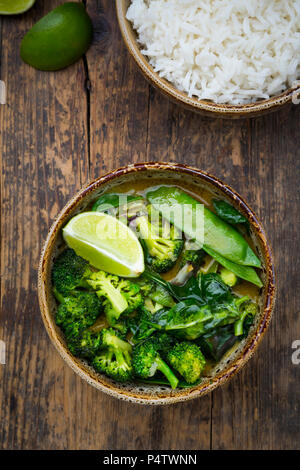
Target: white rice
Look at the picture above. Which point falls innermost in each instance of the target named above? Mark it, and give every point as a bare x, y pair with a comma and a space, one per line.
227, 51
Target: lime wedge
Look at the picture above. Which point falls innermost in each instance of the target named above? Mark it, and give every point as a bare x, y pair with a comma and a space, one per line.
106, 243
13, 7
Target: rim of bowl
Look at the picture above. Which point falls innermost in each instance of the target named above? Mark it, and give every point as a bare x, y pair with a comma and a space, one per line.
194, 104
243, 356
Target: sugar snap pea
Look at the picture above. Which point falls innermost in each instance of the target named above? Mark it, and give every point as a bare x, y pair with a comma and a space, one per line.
218, 235
244, 272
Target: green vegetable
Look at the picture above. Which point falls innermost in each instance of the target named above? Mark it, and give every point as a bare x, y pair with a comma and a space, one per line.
189, 320
193, 257
78, 311
190, 289
161, 296
246, 319
163, 243
228, 277
86, 344
139, 325
244, 272
155, 293
190, 262
69, 272
228, 213
114, 359
118, 295
215, 343
213, 290
164, 343
114, 204
147, 361
187, 359
218, 235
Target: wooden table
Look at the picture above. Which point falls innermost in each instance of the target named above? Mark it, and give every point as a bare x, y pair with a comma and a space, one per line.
58, 131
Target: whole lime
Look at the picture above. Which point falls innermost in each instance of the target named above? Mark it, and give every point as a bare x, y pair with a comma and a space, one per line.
59, 39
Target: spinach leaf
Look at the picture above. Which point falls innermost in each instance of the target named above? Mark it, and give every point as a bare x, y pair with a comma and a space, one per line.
190, 290
139, 325
228, 213
213, 290
215, 344
189, 320
206, 289
161, 296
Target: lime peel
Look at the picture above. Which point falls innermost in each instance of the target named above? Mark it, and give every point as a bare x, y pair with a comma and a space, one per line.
18, 6
58, 39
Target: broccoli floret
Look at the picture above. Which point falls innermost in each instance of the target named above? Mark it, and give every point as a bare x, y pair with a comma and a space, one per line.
193, 257
118, 295
241, 326
164, 343
110, 338
147, 361
69, 271
131, 292
162, 241
146, 286
86, 344
77, 312
115, 358
188, 360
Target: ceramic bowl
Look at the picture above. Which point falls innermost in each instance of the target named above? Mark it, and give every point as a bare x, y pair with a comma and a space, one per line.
188, 178
202, 106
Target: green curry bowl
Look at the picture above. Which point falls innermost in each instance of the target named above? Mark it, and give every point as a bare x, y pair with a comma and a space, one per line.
228, 289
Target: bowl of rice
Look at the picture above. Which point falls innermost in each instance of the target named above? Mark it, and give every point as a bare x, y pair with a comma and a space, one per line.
226, 59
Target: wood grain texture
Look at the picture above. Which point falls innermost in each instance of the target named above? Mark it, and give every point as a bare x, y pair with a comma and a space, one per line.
43, 159
57, 131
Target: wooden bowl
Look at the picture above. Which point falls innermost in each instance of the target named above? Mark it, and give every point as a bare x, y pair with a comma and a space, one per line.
194, 104
189, 178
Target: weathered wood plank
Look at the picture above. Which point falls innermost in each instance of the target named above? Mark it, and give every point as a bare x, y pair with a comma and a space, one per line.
119, 96
43, 161
260, 408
